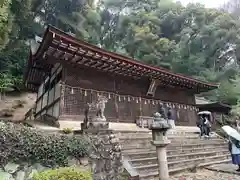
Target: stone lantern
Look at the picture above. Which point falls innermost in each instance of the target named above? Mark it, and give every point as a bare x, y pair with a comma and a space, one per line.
159, 129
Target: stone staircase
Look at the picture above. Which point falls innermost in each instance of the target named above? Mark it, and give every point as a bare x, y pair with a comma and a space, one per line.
186, 151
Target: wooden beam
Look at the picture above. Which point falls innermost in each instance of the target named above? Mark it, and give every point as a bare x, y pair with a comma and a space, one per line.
152, 87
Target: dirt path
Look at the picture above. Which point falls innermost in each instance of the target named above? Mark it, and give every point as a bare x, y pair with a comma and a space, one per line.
28, 100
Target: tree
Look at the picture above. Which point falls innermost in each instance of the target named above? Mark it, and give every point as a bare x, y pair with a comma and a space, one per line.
132, 28
30, 17
5, 22
77, 17
193, 40
232, 7
5, 84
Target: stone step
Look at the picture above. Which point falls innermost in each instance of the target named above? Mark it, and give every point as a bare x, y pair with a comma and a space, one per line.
150, 169
178, 130
153, 175
177, 157
148, 146
149, 136
147, 142
134, 154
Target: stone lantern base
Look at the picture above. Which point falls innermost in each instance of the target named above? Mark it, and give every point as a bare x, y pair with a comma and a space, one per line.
162, 158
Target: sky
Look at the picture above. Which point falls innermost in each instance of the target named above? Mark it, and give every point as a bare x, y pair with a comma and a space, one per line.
207, 3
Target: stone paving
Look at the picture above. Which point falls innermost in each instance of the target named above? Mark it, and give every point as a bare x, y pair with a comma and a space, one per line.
214, 172
206, 175
227, 168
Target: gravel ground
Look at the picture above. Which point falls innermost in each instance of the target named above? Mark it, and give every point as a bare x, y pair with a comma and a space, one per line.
205, 175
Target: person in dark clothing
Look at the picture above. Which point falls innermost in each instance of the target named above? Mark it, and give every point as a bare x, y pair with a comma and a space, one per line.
170, 117
162, 111
234, 148
207, 126
200, 125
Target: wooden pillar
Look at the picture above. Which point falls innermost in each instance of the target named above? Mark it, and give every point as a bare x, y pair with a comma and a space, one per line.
116, 108
140, 107
62, 94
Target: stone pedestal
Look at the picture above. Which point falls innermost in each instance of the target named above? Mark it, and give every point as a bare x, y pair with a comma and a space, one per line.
105, 153
159, 129
171, 122
97, 124
162, 158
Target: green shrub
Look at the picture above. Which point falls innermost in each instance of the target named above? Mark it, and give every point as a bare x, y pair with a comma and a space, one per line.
124, 175
23, 144
70, 173
67, 130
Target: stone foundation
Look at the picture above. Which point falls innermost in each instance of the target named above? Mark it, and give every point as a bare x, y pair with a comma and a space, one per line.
105, 157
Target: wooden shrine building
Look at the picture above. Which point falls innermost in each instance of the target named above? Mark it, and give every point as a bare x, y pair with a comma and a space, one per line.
67, 73
219, 111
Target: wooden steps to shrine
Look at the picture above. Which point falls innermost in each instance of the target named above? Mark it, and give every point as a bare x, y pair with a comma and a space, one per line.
186, 151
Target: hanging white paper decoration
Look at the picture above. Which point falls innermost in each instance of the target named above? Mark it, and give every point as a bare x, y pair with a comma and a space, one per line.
85, 93
153, 102
136, 100
72, 91
145, 102
109, 96
129, 99
119, 98
124, 98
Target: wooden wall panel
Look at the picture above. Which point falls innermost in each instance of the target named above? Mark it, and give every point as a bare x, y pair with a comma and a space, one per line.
122, 111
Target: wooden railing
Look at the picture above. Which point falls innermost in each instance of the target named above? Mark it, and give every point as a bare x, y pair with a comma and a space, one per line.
144, 121
30, 114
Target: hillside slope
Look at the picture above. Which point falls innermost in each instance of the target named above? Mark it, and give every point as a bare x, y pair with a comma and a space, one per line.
15, 105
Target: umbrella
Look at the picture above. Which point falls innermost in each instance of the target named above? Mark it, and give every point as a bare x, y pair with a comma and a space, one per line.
204, 112
231, 132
